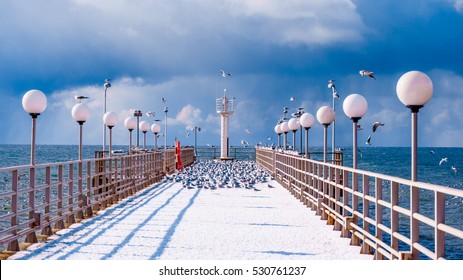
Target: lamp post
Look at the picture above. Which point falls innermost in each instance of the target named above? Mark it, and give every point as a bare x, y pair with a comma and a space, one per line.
155, 128
110, 119
307, 120
325, 116
144, 127
196, 129
34, 102
285, 129
293, 125
80, 113
333, 136
278, 132
165, 130
138, 114
106, 85
130, 123
355, 106
414, 90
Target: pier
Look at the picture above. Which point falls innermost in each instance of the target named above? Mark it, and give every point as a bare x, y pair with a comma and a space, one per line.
354, 213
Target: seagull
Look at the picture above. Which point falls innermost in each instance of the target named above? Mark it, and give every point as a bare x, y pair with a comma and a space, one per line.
80, 98
150, 113
454, 169
163, 100
243, 142
209, 145
368, 140
359, 127
225, 74
443, 160
107, 84
333, 87
431, 152
188, 135
331, 84
360, 153
292, 98
269, 138
367, 73
248, 131
375, 125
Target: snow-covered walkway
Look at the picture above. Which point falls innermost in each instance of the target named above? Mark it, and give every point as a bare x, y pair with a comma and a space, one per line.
168, 221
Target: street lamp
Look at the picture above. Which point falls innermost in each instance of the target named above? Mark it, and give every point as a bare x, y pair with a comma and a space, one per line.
110, 119
307, 120
155, 128
34, 102
106, 85
355, 106
144, 127
278, 132
165, 131
137, 114
325, 116
80, 113
414, 90
333, 133
285, 129
196, 129
293, 125
130, 123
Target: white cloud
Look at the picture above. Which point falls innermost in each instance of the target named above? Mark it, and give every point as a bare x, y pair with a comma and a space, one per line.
458, 4
189, 116
299, 21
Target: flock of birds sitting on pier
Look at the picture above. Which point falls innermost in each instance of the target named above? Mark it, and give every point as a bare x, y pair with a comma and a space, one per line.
211, 174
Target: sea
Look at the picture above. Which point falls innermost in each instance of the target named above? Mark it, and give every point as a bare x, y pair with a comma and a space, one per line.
434, 166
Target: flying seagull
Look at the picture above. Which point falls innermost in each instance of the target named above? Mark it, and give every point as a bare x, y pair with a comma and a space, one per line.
225, 74
375, 125
80, 98
243, 142
367, 73
150, 113
454, 169
163, 100
248, 131
443, 160
187, 135
292, 98
368, 140
359, 127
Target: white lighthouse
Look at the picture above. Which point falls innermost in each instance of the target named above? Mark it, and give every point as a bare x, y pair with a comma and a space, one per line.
224, 108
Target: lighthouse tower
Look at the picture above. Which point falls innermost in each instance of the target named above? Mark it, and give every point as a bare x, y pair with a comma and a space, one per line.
224, 108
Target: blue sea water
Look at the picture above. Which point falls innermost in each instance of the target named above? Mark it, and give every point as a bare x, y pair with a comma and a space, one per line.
394, 161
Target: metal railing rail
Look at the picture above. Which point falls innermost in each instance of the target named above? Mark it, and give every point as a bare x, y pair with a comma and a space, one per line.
372, 209
40, 199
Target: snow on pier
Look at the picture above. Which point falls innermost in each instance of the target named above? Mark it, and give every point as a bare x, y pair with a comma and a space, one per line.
172, 220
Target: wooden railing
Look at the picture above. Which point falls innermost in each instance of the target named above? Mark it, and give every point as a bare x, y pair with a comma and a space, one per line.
38, 200
374, 210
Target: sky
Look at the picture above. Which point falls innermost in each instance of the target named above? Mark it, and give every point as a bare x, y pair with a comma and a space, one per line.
274, 50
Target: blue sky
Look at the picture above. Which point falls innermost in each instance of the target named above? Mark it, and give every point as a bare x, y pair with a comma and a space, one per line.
274, 49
